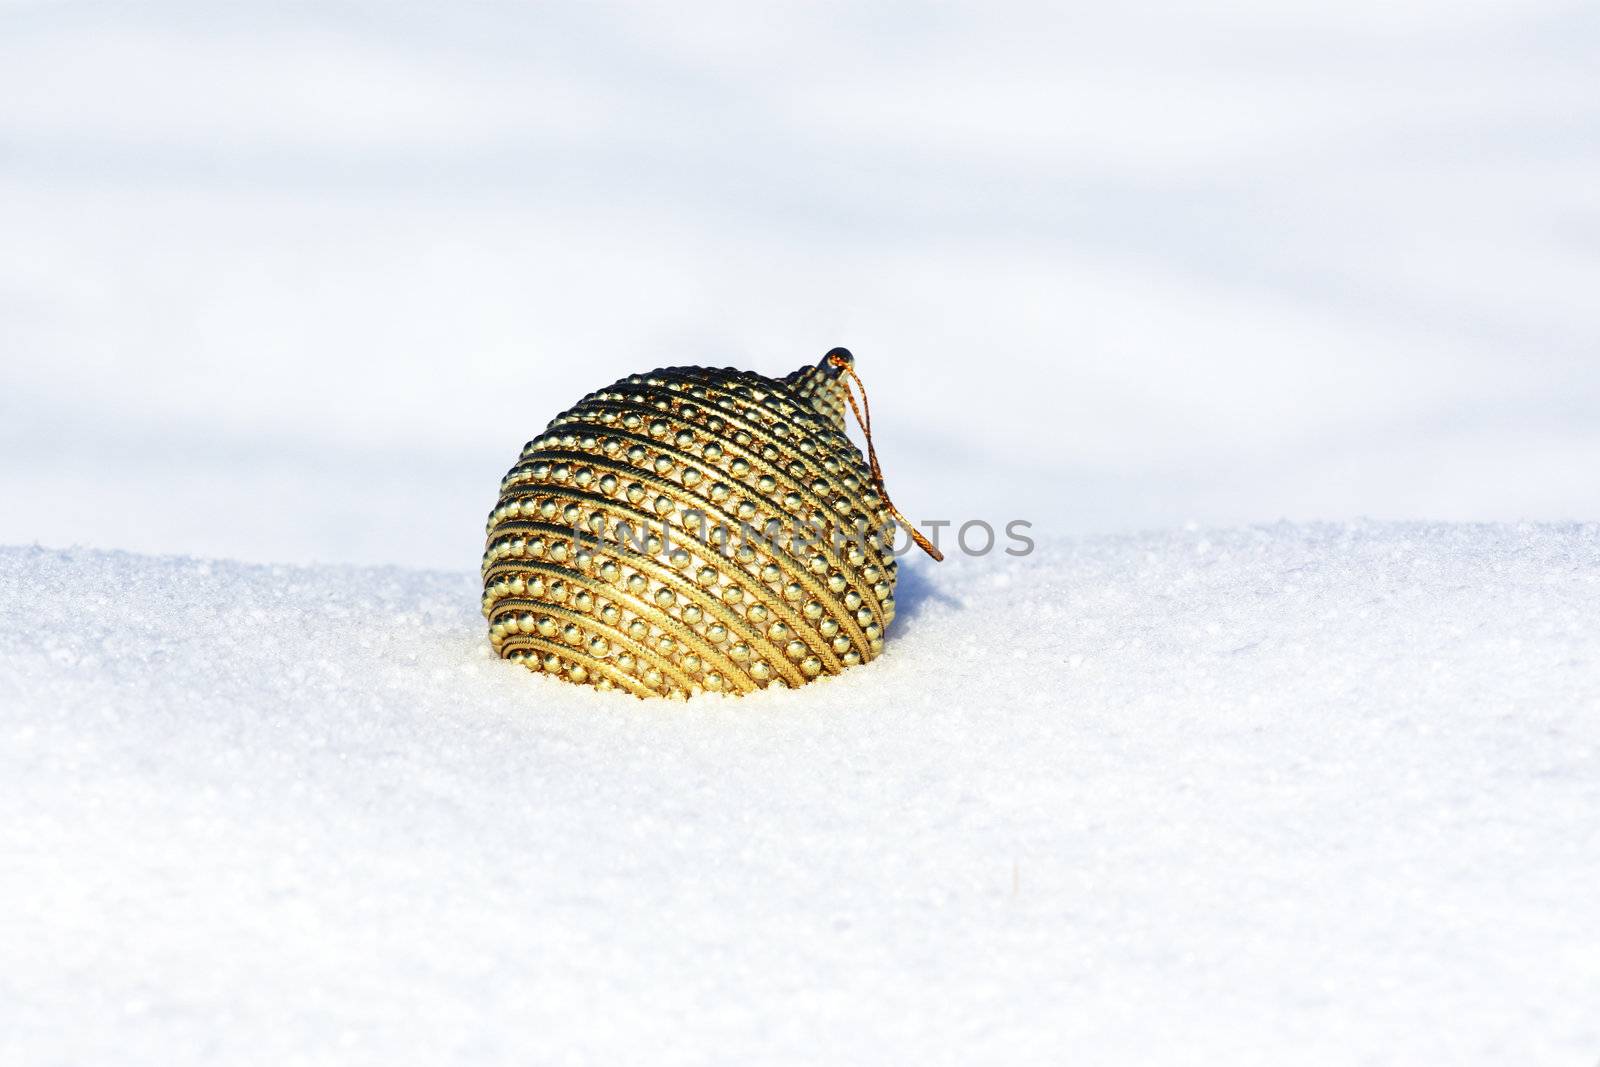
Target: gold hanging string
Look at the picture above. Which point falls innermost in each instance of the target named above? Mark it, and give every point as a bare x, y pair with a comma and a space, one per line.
843, 363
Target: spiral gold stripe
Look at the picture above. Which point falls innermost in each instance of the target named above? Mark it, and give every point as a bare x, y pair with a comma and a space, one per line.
795, 567
591, 625
657, 617
677, 628
876, 519
617, 676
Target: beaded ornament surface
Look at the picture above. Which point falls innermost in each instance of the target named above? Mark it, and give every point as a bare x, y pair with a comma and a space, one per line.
696, 529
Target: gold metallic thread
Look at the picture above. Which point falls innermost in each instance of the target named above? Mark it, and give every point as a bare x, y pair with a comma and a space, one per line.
600, 569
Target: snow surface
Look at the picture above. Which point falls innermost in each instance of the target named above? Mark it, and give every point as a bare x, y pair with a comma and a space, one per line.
1282, 794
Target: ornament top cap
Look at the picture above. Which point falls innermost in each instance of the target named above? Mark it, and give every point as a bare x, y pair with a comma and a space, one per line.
834, 363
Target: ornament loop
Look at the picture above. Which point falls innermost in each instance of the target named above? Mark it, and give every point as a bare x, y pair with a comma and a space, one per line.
841, 359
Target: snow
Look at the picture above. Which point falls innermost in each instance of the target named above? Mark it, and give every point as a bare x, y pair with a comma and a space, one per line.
1276, 321
1287, 793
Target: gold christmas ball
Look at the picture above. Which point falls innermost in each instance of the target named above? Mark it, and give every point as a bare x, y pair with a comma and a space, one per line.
695, 530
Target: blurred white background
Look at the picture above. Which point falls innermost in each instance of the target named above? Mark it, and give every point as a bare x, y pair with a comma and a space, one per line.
295, 282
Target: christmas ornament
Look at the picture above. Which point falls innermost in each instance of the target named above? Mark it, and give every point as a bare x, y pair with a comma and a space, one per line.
694, 529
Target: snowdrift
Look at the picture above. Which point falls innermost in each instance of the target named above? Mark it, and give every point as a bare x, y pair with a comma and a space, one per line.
1279, 794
